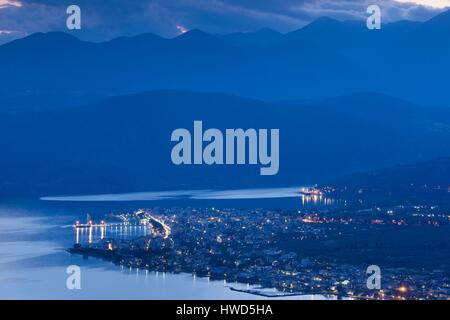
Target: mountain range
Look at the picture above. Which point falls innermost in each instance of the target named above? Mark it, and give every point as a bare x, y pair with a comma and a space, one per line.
417, 183
325, 58
122, 144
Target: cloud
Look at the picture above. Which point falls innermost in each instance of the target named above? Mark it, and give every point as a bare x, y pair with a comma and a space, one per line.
430, 3
28, 18
10, 3
103, 20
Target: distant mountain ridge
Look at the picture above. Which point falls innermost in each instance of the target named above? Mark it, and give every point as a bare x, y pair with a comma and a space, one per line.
122, 144
78, 117
426, 182
325, 58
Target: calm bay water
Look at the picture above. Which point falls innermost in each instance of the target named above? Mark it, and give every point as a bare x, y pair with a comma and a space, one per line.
35, 234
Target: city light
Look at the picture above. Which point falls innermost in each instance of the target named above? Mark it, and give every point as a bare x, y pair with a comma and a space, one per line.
403, 289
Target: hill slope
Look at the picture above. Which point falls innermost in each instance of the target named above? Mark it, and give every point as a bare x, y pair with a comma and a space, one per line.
123, 143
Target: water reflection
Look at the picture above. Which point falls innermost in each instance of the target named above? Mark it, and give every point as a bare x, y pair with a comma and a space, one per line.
117, 231
316, 199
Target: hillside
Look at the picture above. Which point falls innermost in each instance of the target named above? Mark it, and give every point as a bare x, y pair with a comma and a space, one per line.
122, 144
426, 182
325, 58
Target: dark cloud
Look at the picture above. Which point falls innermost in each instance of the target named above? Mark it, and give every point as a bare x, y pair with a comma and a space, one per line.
107, 19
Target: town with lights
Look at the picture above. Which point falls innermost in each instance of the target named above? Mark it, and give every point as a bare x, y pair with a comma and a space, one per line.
280, 253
